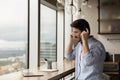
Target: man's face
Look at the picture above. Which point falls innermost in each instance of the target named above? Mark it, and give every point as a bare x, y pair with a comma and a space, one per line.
76, 33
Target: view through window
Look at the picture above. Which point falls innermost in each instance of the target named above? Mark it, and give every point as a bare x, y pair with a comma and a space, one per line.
13, 35
47, 34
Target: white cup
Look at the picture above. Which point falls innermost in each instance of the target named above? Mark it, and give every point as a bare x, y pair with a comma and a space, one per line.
49, 64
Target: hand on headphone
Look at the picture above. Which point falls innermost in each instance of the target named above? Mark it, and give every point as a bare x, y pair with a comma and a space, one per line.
84, 35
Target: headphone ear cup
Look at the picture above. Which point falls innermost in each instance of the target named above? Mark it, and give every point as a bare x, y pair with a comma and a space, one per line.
85, 28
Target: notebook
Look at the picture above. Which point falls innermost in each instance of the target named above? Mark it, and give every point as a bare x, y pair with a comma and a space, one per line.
31, 74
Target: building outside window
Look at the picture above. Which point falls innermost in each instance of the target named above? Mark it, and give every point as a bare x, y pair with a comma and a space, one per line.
13, 35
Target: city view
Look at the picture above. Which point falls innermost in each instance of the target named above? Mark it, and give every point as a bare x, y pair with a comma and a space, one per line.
12, 60
14, 30
13, 38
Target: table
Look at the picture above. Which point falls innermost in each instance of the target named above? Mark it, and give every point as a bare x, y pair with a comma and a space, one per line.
64, 67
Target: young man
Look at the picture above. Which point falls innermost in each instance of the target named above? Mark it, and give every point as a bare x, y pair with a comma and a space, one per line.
89, 53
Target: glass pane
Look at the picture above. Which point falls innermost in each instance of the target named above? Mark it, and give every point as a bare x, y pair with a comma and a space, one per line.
109, 9
13, 35
47, 34
110, 26
109, 16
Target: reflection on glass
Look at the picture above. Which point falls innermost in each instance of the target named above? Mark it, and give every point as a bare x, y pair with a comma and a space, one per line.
47, 34
13, 35
109, 17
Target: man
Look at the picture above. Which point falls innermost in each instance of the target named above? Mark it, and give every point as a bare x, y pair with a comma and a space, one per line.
89, 53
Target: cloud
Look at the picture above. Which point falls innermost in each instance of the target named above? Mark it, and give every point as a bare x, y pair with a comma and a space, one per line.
13, 12
4, 44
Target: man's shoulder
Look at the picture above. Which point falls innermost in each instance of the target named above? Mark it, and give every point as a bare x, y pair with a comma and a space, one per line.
95, 42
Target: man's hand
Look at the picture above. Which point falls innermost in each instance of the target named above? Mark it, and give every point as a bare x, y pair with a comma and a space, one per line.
84, 35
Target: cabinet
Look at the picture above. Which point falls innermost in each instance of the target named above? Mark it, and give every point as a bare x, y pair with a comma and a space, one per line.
109, 16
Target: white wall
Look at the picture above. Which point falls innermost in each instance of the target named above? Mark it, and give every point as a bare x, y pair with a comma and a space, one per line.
91, 15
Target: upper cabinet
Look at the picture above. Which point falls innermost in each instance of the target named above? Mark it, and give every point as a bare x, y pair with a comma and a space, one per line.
109, 16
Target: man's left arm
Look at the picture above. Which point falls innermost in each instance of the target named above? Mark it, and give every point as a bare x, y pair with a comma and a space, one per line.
84, 37
95, 54
90, 55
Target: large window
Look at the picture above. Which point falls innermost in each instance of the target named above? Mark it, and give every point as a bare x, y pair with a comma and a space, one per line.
13, 35
47, 34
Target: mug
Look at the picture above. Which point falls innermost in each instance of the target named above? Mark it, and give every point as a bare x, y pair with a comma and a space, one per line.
49, 64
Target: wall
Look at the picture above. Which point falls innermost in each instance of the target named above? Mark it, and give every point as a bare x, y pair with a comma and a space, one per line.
91, 14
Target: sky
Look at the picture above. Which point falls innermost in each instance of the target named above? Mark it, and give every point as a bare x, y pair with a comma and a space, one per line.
48, 30
13, 23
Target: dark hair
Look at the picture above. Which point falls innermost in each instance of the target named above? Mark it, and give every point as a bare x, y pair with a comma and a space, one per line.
80, 24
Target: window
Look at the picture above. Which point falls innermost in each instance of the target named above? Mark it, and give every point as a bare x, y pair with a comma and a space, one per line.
13, 35
47, 34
